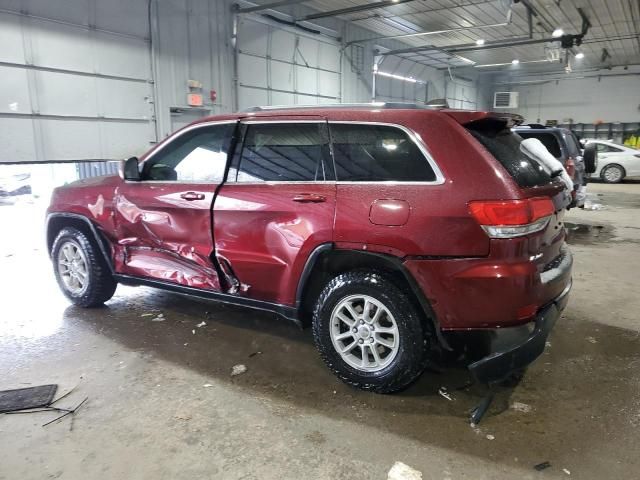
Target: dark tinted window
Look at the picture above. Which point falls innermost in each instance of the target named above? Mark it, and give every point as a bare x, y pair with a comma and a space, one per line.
377, 153
548, 139
504, 145
285, 152
196, 156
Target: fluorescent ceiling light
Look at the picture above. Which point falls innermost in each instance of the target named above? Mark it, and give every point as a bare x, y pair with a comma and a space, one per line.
480, 41
397, 77
486, 65
579, 55
558, 32
515, 61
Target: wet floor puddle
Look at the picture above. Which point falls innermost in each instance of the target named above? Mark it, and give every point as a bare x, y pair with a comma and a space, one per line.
586, 234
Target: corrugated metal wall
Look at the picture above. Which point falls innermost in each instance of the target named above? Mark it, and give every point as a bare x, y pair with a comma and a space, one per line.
75, 80
77, 77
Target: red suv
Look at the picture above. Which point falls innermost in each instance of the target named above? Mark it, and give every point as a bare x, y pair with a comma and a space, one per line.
383, 226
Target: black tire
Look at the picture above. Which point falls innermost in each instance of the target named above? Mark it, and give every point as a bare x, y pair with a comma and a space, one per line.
100, 285
613, 167
415, 339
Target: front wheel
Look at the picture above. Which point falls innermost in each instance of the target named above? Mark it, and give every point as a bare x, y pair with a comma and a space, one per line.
369, 333
80, 270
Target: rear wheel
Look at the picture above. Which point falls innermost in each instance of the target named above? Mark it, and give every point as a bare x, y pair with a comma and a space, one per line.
612, 173
81, 272
369, 333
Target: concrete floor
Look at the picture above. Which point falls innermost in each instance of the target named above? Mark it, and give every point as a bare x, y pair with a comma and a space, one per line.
162, 403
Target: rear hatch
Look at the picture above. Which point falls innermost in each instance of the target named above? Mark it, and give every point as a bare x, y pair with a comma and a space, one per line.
544, 195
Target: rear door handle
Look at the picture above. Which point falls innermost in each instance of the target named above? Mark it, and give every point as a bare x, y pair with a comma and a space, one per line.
309, 198
190, 196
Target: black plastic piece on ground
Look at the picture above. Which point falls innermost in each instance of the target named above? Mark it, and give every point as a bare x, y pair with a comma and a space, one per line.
478, 412
25, 398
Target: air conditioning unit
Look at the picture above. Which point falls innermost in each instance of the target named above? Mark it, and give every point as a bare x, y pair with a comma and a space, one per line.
505, 100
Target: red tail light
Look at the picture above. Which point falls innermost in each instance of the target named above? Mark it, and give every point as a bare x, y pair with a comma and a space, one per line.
570, 167
512, 218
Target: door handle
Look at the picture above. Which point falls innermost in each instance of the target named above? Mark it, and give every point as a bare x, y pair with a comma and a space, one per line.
309, 198
190, 196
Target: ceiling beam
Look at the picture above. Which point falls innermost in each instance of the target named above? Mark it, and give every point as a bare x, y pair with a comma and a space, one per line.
433, 32
469, 46
355, 9
268, 6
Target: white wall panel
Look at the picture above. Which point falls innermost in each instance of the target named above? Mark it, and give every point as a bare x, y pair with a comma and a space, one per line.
283, 44
70, 139
250, 97
282, 75
121, 99
121, 56
16, 139
12, 49
252, 70
75, 11
66, 94
56, 45
123, 16
14, 94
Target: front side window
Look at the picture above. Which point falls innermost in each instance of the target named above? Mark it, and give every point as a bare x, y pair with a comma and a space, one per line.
199, 155
602, 148
284, 152
377, 153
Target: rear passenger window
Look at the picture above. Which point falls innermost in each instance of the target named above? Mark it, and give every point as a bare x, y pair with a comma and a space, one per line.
376, 153
285, 152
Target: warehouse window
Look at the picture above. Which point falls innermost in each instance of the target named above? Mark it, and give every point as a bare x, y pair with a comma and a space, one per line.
199, 155
293, 152
377, 153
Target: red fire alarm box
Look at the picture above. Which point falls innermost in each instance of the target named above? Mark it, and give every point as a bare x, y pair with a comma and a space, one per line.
195, 100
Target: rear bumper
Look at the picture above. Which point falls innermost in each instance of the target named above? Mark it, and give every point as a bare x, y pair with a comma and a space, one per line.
518, 354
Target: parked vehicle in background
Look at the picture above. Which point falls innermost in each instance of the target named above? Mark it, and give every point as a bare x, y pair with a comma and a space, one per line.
14, 181
563, 144
615, 162
383, 226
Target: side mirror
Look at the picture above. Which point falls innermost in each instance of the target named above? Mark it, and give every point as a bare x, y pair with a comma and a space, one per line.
130, 169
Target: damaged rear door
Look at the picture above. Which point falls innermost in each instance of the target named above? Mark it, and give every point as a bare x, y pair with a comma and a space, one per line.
163, 222
277, 205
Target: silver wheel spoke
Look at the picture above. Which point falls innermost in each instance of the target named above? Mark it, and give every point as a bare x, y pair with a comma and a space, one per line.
351, 311
344, 335
384, 342
376, 354
349, 347
365, 355
345, 319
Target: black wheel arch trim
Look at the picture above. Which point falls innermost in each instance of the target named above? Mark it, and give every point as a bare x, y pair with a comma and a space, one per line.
98, 237
395, 263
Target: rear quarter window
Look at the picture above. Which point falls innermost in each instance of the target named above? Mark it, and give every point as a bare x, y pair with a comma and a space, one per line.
376, 153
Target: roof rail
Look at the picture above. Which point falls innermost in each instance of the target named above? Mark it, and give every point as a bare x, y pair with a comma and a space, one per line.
433, 104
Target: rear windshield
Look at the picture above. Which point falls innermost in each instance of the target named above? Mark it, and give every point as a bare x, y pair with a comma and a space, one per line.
504, 145
548, 139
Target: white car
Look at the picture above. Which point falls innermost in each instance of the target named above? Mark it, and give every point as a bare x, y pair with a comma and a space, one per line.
616, 162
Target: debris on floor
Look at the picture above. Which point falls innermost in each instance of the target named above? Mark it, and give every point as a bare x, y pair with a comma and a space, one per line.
27, 398
401, 471
255, 353
159, 318
442, 391
542, 466
520, 407
591, 340
566, 471
147, 315
207, 385
490, 437
201, 324
238, 369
